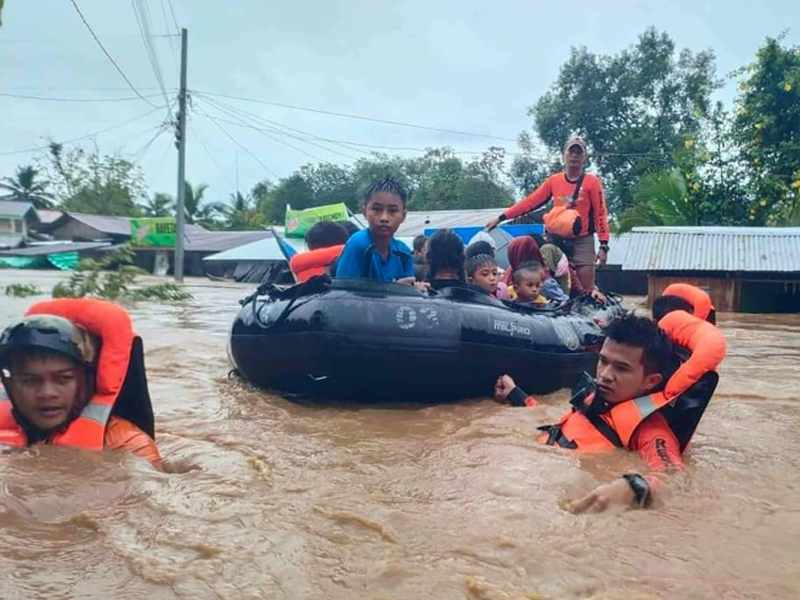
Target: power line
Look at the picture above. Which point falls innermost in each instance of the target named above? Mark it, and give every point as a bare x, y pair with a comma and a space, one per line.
272, 137
142, 13
359, 117
85, 137
174, 18
235, 141
343, 143
110, 58
212, 157
60, 99
166, 24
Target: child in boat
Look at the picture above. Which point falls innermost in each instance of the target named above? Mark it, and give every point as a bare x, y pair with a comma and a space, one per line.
527, 283
484, 248
374, 253
325, 241
445, 258
482, 273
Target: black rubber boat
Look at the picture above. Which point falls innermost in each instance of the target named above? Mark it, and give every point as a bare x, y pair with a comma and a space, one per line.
366, 341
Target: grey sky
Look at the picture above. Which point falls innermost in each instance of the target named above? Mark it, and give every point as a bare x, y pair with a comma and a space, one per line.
467, 65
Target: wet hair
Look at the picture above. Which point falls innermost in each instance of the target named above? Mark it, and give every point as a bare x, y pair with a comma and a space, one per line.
326, 234
388, 185
445, 253
641, 332
419, 243
526, 267
539, 239
349, 226
663, 305
477, 261
478, 248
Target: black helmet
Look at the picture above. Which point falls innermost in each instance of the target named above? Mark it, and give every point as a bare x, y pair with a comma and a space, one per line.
44, 332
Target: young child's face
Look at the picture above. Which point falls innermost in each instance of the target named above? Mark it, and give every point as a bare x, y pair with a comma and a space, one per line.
529, 285
384, 212
486, 277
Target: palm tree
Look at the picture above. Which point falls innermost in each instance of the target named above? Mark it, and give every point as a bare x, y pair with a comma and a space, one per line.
24, 187
160, 205
197, 212
243, 214
660, 199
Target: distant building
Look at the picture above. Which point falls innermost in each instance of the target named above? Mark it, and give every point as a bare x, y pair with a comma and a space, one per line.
744, 269
613, 278
16, 220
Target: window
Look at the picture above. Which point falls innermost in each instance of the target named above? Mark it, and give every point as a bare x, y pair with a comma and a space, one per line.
18, 226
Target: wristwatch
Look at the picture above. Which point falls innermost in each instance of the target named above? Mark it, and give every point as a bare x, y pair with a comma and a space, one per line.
604, 247
640, 487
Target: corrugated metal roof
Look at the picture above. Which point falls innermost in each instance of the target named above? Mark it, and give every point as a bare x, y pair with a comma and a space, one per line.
753, 249
264, 249
418, 221
47, 249
103, 224
201, 240
16, 210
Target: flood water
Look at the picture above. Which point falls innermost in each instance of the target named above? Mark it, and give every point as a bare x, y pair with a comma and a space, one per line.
268, 499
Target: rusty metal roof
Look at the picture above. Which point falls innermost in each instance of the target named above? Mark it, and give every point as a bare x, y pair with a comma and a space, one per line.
731, 249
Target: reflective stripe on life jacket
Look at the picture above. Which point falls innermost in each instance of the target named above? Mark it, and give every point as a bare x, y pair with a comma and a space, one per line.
306, 265
700, 301
683, 399
113, 326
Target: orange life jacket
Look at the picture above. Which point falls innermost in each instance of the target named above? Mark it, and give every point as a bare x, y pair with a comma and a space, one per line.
113, 326
700, 301
306, 265
682, 400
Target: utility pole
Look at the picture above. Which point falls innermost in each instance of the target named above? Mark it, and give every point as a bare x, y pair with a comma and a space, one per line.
180, 142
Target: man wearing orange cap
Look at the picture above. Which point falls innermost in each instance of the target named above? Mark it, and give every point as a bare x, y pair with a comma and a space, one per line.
579, 211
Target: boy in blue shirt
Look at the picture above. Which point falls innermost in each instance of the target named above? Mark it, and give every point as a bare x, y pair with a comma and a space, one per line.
373, 253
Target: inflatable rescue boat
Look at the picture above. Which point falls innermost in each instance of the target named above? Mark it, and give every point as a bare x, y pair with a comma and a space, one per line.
368, 341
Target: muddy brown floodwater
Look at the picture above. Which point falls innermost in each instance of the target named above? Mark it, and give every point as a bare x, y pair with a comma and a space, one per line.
268, 499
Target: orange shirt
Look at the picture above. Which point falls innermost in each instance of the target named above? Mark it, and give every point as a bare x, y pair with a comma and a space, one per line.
121, 434
591, 204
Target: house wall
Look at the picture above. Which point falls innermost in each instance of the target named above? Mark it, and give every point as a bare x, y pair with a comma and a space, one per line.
738, 292
725, 293
627, 283
77, 231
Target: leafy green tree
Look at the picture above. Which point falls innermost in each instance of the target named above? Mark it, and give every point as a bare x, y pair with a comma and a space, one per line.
661, 199
26, 187
160, 205
88, 182
243, 214
198, 212
767, 127
635, 108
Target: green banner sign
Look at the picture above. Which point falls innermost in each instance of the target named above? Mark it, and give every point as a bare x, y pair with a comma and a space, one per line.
298, 222
153, 233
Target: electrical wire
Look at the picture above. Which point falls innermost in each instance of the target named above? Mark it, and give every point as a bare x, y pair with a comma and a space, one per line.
142, 12
350, 145
235, 141
87, 136
110, 58
270, 135
210, 154
60, 99
358, 117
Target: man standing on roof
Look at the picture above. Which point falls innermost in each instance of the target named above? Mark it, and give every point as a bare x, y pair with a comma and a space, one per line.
579, 211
